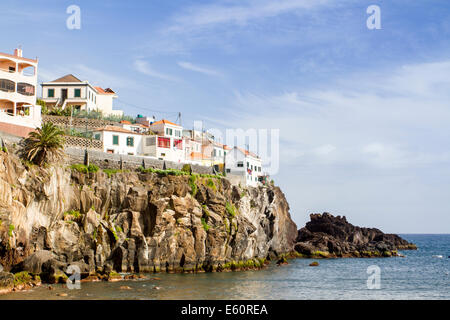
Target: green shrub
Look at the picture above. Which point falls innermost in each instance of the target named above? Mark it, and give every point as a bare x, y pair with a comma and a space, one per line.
22, 278
75, 214
84, 169
110, 172
231, 209
193, 185
211, 184
11, 229
205, 225
187, 168
5, 150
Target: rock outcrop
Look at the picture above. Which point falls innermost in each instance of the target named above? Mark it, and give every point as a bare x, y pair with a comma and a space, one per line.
326, 236
124, 221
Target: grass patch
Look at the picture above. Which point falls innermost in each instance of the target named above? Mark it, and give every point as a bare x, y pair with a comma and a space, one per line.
205, 225
84, 169
22, 278
193, 185
231, 209
11, 229
210, 183
73, 213
110, 172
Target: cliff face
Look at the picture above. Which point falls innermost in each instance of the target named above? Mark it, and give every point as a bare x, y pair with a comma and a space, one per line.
328, 236
137, 222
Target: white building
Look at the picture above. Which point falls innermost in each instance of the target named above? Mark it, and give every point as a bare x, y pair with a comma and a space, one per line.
81, 95
119, 140
245, 163
167, 142
135, 127
19, 113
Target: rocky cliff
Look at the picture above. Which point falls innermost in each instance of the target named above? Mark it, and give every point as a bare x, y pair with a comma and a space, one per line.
326, 236
122, 221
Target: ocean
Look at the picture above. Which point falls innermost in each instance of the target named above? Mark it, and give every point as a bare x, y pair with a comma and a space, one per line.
419, 275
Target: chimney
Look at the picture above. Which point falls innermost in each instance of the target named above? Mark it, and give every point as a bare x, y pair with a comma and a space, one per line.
18, 52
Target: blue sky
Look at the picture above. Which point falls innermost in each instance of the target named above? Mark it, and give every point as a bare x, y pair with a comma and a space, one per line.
363, 114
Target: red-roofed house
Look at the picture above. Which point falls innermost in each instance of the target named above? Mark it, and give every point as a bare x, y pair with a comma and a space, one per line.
81, 95
167, 143
243, 162
119, 140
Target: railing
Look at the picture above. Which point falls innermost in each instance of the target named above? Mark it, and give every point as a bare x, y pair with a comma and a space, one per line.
7, 70
77, 122
80, 142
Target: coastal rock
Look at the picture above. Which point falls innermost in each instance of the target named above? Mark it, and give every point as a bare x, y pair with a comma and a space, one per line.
6, 282
54, 217
327, 236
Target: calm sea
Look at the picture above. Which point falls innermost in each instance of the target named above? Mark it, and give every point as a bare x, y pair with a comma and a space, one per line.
417, 276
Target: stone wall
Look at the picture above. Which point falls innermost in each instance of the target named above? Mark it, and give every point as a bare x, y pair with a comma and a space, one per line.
112, 161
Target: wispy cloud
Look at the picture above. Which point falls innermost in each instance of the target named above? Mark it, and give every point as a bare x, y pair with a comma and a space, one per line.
200, 69
241, 14
143, 67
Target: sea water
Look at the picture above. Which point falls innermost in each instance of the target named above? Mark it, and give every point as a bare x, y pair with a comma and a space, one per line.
418, 275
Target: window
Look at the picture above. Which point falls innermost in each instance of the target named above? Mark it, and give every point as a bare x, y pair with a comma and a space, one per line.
77, 93
251, 167
240, 164
51, 93
163, 142
178, 144
214, 153
7, 85
248, 165
116, 140
177, 133
25, 89
97, 136
130, 141
228, 170
168, 131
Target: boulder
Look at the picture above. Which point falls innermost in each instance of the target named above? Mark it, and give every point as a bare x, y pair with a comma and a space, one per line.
6, 282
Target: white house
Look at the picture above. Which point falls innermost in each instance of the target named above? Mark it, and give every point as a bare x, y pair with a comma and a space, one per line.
19, 113
135, 127
167, 142
81, 95
245, 163
119, 140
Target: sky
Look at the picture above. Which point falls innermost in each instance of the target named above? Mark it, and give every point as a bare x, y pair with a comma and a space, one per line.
363, 114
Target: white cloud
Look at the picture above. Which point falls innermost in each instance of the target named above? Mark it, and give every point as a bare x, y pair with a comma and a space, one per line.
200, 69
143, 67
241, 14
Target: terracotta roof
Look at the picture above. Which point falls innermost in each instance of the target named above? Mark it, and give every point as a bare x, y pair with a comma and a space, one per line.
115, 129
16, 57
164, 122
247, 153
100, 90
224, 146
125, 122
67, 78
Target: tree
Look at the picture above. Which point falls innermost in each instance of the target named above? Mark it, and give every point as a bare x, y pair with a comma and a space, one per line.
45, 144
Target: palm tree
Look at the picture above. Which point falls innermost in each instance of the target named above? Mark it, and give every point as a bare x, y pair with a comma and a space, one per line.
45, 144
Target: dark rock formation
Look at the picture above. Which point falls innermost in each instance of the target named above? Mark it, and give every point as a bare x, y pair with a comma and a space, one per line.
128, 221
328, 236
